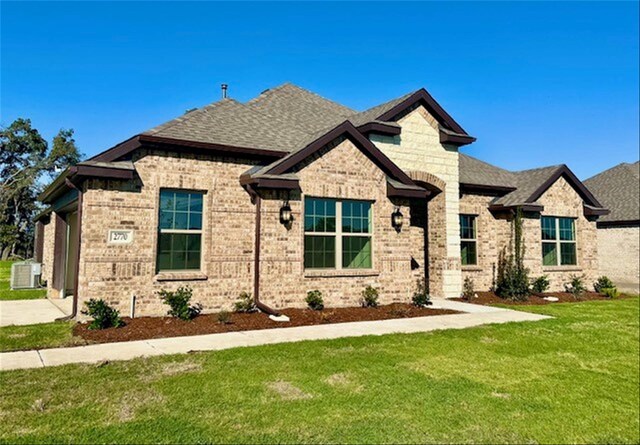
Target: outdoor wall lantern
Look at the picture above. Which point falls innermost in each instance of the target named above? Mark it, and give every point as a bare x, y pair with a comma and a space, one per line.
397, 219
285, 213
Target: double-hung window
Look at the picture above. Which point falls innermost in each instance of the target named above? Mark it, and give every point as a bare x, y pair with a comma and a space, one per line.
337, 234
180, 230
468, 240
558, 241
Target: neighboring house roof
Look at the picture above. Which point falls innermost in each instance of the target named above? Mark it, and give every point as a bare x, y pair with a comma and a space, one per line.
520, 188
618, 188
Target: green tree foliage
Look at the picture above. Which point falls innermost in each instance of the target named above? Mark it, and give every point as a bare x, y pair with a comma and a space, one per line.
513, 277
26, 165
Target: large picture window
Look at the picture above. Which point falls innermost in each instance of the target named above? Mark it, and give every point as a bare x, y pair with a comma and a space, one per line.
558, 241
468, 241
180, 230
337, 234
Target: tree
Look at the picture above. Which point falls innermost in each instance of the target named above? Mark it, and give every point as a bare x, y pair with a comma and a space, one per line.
513, 277
26, 164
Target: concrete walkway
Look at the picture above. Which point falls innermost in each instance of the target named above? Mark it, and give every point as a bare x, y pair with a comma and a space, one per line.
475, 316
24, 312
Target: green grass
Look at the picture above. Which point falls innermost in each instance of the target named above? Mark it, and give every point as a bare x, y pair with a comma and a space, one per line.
5, 290
570, 379
36, 336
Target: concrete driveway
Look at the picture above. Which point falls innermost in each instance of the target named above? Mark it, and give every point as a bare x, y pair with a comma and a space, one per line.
23, 312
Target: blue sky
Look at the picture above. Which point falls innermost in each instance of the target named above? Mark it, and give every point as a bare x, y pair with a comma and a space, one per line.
536, 83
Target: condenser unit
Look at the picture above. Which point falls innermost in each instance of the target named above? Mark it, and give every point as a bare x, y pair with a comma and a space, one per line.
25, 275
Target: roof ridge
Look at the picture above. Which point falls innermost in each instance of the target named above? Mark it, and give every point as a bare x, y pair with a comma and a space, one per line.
487, 163
270, 91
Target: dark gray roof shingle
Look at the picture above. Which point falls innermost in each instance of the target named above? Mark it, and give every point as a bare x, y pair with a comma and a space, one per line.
618, 189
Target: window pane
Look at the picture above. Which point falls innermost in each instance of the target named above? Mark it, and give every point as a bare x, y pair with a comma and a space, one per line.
356, 252
568, 253
182, 201
180, 220
467, 227
177, 251
195, 202
548, 225
167, 200
319, 215
319, 251
166, 220
468, 252
356, 217
180, 210
567, 232
195, 221
549, 254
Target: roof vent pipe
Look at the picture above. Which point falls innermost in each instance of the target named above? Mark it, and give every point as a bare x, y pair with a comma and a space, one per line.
224, 87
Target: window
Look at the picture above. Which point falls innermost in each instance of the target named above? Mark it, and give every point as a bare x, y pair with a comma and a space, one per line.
558, 241
180, 230
468, 251
337, 234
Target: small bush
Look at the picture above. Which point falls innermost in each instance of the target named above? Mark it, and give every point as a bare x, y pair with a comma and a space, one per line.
245, 303
467, 289
224, 317
512, 281
540, 284
609, 292
421, 297
314, 300
103, 315
576, 286
603, 283
370, 297
178, 301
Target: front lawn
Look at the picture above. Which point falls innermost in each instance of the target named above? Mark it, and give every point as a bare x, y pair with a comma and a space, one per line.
5, 289
37, 336
571, 379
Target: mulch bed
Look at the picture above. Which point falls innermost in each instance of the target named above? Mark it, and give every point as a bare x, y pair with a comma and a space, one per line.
145, 328
487, 298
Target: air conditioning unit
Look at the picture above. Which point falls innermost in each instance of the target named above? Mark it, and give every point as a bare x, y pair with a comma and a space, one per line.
25, 275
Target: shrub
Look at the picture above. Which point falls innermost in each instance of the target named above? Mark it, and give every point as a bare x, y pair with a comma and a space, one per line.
178, 301
314, 300
513, 277
609, 292
421, 297
103, 315
245, 303
370, 297
540, 284
576, 286
467, 289
603, 283
224, 317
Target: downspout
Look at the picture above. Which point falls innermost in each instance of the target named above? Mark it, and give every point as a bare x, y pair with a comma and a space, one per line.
74, 307
426, 250
256, 259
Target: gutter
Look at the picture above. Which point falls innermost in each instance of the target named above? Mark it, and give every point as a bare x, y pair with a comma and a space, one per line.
74, 307
256, 258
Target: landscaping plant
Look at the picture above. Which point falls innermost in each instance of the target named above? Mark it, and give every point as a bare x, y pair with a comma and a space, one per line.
178, 301
245, 303
540, 284
609, 292
370, 297
467, 289
576, 286
603, 283
314, 300
421, 297
103, 316
513, 277
224, 317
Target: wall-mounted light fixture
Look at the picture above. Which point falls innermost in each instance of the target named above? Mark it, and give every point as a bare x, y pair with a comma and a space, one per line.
397, 219
285, 213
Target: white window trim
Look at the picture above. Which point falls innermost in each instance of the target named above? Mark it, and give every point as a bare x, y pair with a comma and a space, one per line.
473, 240
558, 242
339, 234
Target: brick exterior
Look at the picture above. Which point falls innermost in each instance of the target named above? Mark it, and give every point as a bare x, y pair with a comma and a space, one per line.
619, 255
418, 148
47, 253
116, 272
493, 233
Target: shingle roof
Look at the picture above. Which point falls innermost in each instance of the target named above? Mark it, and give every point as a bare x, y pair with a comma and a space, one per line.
618, 189
526, 183
477, 172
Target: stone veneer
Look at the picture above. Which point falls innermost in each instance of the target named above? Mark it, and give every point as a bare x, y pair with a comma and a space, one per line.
619, 255
494, 232
418, 148
116, 272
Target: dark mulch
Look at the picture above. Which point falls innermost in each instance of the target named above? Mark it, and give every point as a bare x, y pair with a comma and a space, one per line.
144, 328
487, 298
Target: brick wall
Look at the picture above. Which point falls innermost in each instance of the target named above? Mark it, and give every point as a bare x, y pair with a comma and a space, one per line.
619, 255
494, 233
47, 253
418, 148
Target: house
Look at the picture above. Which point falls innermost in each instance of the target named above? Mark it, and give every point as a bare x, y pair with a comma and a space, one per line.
619, 232
291, 192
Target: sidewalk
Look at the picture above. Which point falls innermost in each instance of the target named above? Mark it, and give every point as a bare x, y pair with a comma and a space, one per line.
24, 312
475, 316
